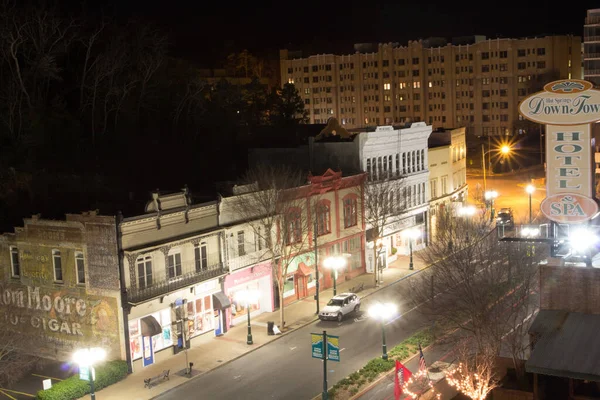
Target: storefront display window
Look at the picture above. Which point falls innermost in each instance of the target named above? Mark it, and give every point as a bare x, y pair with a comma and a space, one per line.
238, 309
288, 287
159, 342
199, 314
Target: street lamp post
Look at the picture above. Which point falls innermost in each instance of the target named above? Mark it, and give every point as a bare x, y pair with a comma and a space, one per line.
504, 150
411, 234
248, 297
383, 312
87, 358
335, 263
530, 189
490, 196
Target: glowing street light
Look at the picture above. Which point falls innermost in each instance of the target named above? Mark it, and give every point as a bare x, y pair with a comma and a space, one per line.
86, 359
383, 312
530, 189
335, 263
582, 239
248, 297
504, 150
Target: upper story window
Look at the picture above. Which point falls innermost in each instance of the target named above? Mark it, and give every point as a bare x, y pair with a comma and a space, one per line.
15, 262
144, 267
241, 245
57, 262
80, 266
323, 218
350, 211
200, 257
293, 226
174, 265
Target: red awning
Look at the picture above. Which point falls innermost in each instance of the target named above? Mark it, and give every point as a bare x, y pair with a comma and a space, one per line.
303, 269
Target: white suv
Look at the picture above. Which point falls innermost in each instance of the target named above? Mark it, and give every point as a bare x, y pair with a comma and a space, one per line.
339, 306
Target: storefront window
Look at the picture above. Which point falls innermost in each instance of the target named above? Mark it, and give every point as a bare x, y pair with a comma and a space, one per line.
199, 314
288, 287
238, 309
159, 341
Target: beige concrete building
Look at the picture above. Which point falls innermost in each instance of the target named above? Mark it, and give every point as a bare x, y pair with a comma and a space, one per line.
591, 46
472, 82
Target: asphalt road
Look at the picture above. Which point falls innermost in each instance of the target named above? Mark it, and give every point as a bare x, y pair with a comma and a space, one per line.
285, 369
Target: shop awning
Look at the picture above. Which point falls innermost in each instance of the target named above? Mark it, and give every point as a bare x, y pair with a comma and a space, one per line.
150, 326
303, 269
220, 301
567, 345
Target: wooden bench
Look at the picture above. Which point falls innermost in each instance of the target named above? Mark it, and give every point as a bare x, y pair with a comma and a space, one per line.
155, 379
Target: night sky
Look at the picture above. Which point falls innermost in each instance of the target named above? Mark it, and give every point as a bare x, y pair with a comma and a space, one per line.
220, 26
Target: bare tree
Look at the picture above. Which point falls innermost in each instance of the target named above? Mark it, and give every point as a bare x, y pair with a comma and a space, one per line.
475, 375
15, 361
485, 286
278, 213
384, 202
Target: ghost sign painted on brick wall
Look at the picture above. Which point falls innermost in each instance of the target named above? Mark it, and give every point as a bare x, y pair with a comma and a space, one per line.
567, 107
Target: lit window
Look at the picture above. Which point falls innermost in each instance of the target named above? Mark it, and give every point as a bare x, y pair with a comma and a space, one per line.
291, 80
387, 86
430, 84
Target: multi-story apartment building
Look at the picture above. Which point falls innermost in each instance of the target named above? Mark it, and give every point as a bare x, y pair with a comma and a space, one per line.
591, 47
472, 82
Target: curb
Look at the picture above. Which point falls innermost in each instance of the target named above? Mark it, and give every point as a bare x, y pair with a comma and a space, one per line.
282, 335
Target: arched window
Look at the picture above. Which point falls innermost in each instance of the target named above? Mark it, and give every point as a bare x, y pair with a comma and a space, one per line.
323, 218
350, 211
293, 226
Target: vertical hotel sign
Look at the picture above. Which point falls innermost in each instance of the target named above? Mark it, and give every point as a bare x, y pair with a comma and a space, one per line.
567, 107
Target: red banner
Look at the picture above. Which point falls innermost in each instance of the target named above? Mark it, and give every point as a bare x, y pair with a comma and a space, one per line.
402, 375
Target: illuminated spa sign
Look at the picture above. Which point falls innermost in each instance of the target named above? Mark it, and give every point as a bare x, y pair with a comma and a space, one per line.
567, 107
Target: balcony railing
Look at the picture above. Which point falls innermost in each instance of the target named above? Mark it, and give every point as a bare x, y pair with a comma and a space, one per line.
591, 72
591, 55
591, 39
157, 289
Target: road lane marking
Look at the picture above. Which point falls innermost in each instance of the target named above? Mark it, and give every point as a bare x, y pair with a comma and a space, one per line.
17, 392
342, 349
8, 395
293, 348
237, 377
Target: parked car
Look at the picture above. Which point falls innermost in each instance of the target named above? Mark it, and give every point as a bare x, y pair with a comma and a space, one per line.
505, 218
340, 306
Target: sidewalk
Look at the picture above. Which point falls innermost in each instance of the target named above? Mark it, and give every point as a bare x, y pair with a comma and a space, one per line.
213, 352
